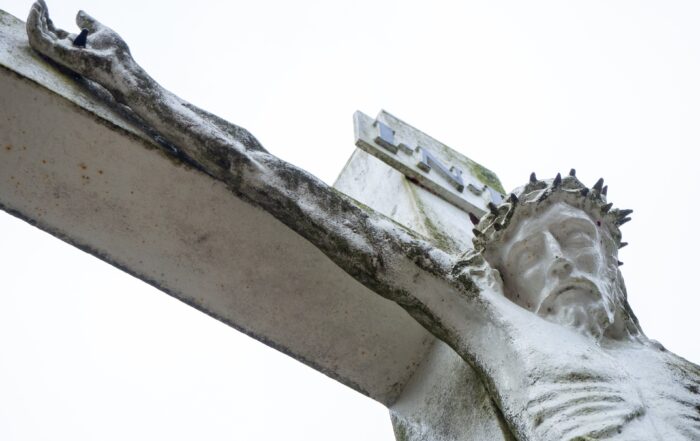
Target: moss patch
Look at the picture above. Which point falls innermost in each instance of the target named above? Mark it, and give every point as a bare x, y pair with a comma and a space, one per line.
486, 176
400, 429
441, 239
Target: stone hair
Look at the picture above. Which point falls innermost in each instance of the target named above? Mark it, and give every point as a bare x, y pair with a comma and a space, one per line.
537, 195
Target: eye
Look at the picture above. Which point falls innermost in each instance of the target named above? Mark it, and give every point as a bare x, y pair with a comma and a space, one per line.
524, 259
577, 239
524, 254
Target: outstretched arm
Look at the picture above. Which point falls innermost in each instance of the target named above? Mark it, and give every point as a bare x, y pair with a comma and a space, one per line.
376, 251
382, 255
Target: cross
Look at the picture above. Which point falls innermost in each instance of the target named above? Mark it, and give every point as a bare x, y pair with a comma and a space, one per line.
427, 163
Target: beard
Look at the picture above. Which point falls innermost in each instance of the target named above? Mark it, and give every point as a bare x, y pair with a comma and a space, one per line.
580, 305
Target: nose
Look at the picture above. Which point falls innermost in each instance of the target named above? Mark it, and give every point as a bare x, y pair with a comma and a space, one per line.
560, 265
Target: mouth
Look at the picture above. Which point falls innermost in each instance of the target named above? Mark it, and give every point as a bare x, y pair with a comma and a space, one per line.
570, 291
579, 284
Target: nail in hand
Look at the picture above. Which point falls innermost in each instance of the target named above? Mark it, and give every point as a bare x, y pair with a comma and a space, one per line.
81, 40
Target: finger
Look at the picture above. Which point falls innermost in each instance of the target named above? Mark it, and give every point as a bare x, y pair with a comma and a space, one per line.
39, 20
43, 13
39, 38
35, 17
45, 20
40, 6
85, 21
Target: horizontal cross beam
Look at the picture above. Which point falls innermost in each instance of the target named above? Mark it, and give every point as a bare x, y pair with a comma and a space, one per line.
81, 169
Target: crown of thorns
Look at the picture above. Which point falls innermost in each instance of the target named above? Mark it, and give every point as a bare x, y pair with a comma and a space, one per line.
539, 194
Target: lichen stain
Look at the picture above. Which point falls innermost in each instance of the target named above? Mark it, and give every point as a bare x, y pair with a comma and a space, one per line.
539, 419
486, 176
8, 147
7, 19
400, 430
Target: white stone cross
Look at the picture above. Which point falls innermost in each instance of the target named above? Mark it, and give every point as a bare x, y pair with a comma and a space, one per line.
539, 309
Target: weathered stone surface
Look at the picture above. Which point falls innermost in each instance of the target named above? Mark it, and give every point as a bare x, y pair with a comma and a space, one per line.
428, 162
538, 308
84, 172
445, 398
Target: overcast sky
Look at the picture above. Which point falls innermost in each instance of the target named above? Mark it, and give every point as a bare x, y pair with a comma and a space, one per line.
608, 87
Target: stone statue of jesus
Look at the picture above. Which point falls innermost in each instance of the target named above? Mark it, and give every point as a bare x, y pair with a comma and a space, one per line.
538, 308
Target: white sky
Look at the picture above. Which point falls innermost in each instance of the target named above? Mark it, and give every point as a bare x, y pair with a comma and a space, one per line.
608, 87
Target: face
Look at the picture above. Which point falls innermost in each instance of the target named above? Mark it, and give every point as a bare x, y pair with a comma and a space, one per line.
559, 266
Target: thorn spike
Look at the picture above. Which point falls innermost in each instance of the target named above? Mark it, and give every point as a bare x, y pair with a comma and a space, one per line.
598, 186
622, 245
623, 220
605, 208
477, 233
557, 180
624, 213
513, 198
604, 191
572, 172
473, 218
584, 192
492, 208
619, 263
533, 177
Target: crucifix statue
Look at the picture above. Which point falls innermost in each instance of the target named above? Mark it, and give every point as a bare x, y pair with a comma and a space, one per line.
538, 308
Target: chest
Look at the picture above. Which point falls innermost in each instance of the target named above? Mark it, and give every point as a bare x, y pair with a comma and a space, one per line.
668, 388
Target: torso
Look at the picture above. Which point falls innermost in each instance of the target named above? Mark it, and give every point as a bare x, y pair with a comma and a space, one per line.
630, 391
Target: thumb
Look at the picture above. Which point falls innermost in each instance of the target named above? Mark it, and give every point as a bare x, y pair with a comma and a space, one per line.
480, 273
85, 21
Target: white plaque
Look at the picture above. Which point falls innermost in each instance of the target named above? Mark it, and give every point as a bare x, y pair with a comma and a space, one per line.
428, 162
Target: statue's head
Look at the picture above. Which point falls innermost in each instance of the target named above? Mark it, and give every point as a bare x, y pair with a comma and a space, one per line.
555, 245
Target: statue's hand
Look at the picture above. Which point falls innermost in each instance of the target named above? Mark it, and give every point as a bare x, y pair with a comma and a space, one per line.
478, 276
103, 53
